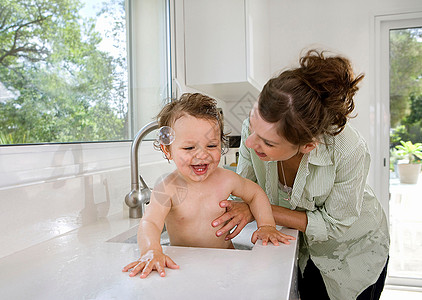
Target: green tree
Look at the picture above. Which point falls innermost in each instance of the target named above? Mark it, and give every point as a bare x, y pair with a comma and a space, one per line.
66, 88
405, 71
411, 128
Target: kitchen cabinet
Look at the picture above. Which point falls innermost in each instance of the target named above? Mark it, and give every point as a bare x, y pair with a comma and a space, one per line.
223, 46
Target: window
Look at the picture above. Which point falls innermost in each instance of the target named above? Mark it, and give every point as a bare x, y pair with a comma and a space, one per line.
63, 71
405, 122
30, 109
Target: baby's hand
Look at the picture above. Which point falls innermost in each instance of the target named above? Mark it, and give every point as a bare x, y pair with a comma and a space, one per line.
152, 259
270, 233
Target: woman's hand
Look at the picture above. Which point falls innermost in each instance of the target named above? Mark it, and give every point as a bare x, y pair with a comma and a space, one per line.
270, 233
151, 260
237, 215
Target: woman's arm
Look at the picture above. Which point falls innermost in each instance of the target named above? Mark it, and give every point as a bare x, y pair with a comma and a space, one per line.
290, 218
259, 205
239, 215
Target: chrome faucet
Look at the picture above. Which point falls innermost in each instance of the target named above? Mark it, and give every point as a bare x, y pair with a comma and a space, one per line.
140, 194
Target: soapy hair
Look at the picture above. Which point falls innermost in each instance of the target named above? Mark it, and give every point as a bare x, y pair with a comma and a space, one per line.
310, 101
197, 105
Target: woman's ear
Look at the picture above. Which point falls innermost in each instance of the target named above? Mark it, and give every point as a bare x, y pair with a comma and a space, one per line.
166, 151
308, 147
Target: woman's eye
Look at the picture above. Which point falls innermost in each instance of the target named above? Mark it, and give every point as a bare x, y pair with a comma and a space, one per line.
212, 146
188, 148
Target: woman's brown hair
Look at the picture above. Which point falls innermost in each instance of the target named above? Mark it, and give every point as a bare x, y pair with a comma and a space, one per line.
312, 100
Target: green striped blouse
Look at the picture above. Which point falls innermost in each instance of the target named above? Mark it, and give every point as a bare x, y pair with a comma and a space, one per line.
347, 234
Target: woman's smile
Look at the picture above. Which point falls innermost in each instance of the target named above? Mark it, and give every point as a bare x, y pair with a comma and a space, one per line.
260, 154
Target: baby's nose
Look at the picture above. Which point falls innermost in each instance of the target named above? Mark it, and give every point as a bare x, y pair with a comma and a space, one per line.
202, 153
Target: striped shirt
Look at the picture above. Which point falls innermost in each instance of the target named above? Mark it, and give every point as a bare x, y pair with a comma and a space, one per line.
347, 233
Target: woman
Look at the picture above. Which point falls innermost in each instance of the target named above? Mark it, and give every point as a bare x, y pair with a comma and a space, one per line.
298, 146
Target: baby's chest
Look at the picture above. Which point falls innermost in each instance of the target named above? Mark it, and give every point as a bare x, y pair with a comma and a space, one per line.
202, 205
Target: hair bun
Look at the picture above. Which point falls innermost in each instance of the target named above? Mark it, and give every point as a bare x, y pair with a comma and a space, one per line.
333, 79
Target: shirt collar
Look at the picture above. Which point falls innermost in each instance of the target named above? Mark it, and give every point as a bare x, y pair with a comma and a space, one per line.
320, 156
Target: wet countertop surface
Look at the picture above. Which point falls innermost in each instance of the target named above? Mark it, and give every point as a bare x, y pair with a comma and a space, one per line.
84, 264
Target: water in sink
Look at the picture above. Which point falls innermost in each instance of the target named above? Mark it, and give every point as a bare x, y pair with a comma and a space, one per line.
165, 241
240, 242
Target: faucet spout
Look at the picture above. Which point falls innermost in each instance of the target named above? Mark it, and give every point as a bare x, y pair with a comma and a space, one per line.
140, 194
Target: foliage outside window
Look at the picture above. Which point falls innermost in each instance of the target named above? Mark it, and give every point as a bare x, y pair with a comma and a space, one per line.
405, 85
63, 76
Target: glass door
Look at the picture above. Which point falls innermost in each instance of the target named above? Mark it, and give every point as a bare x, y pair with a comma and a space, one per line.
398, 90
405, 76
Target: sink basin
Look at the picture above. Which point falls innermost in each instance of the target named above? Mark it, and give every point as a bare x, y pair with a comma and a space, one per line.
165, 241
240, 242
130, 237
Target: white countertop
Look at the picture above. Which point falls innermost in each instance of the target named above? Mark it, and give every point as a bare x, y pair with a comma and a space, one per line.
81, 264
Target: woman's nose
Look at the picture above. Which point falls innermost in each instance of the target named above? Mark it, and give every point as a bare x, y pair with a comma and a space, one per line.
250, 141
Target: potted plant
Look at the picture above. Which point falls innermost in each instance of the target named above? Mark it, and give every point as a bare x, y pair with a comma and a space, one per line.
410, 167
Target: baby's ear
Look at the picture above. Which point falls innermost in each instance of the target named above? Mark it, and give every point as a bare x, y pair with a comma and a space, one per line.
166, 151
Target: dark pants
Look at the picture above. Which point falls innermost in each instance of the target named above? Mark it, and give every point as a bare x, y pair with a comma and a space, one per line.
311, 286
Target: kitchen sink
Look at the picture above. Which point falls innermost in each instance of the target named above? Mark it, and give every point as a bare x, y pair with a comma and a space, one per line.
240, 242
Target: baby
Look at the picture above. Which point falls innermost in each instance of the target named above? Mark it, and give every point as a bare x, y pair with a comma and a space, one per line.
187, 200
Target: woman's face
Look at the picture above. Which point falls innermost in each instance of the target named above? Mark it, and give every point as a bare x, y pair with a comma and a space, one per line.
264, 139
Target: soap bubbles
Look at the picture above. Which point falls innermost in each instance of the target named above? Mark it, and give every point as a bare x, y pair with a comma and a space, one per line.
166, 135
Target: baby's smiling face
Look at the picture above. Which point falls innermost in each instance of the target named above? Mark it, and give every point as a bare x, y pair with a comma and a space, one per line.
196, 150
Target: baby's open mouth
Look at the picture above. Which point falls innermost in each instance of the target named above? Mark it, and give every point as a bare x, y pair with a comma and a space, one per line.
200, 169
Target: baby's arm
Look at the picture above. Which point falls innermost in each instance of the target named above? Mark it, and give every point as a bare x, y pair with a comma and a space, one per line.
149, 234
258, 202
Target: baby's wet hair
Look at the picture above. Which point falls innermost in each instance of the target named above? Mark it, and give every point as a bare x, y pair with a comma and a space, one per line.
194, 104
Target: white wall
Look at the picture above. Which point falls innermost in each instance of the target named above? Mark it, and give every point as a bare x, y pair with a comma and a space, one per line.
49, 190
344, 27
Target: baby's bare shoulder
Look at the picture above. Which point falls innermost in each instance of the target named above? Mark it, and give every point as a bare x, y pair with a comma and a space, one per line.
226, 171
224, 174
170, 189
224, 177
168, 181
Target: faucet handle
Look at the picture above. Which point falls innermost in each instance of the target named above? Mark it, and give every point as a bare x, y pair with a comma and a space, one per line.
145, 196
142, 183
